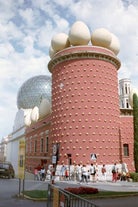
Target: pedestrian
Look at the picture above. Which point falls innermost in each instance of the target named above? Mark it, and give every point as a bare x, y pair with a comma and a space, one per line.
103, 170
42, 174
88, 175
62, 172
84, 174
92, 172
114, 173
75, 172
36, 177
66, 174
48, 174
123, 172
96, 174
39, 171
79, 173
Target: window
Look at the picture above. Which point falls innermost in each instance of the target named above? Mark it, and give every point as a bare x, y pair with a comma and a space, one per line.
46, 144
127, 104
122, 89
129, 89
126, 149
122, 103
42, 145
30, 144
35, 146
126, 89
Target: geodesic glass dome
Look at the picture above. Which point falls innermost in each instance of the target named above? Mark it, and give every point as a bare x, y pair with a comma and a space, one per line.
33, 91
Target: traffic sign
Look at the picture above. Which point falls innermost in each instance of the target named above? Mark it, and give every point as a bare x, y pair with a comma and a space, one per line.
55, 149
54, 159
93, 157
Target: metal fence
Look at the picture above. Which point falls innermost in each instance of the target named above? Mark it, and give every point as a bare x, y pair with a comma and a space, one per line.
58, 197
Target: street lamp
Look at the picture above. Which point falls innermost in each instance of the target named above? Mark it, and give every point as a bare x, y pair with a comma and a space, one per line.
69, 163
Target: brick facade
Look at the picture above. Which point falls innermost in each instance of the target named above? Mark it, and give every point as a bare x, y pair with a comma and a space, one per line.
86, 118
38, 145
85, 114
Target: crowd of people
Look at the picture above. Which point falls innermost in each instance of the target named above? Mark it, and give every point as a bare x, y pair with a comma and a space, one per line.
122, 175
83, 173
79, 173
41, 174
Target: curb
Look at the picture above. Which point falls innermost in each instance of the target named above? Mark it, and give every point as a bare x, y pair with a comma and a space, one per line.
96, 197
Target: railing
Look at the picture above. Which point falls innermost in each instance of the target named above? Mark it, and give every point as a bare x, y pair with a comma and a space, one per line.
58, 197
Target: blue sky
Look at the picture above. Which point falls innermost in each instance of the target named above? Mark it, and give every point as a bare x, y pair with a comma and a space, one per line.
26, 30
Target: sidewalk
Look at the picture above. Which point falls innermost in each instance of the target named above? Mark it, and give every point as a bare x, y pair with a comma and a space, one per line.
122, 186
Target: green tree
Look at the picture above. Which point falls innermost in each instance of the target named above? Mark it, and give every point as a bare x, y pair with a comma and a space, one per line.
135, 119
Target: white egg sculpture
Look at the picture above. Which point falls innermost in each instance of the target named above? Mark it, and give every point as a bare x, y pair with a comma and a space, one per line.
101, 37
44, 108
35, 114
60, 41
132, 92
79, 34
27, 119
51, 52
114, 45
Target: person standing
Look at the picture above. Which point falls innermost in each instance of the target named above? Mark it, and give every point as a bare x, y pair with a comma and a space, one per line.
67, 174
84, 174
75, 172
92, 172
124, 172
36, 177
103, 170
62, 172
114, 173
43, 173
48, 175
79, 173
96, 172
39, 171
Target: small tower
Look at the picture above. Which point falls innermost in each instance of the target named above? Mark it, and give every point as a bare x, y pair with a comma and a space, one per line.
124, 93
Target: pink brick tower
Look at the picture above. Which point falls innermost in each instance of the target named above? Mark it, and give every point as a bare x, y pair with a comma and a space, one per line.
85, 104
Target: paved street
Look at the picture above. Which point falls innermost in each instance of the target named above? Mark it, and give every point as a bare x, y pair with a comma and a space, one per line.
10, 188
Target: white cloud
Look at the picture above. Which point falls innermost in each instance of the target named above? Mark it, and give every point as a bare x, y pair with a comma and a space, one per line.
27, 16
119, 18
45, 34
26, 29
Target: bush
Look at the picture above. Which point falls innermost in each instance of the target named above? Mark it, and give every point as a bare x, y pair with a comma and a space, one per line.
82, 190
134, 177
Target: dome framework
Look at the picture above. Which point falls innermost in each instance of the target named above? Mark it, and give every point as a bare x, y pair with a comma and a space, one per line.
33, 91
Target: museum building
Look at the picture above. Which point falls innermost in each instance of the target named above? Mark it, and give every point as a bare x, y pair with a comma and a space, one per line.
90, 120
86, 118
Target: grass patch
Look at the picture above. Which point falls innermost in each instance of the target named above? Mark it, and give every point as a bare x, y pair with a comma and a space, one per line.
109, 194
36, 193
43, 194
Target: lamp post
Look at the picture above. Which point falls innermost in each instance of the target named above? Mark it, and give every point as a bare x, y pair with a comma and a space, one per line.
69, 163
55, 158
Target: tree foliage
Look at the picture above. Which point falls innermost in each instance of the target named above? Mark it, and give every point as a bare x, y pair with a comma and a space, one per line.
135, 119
